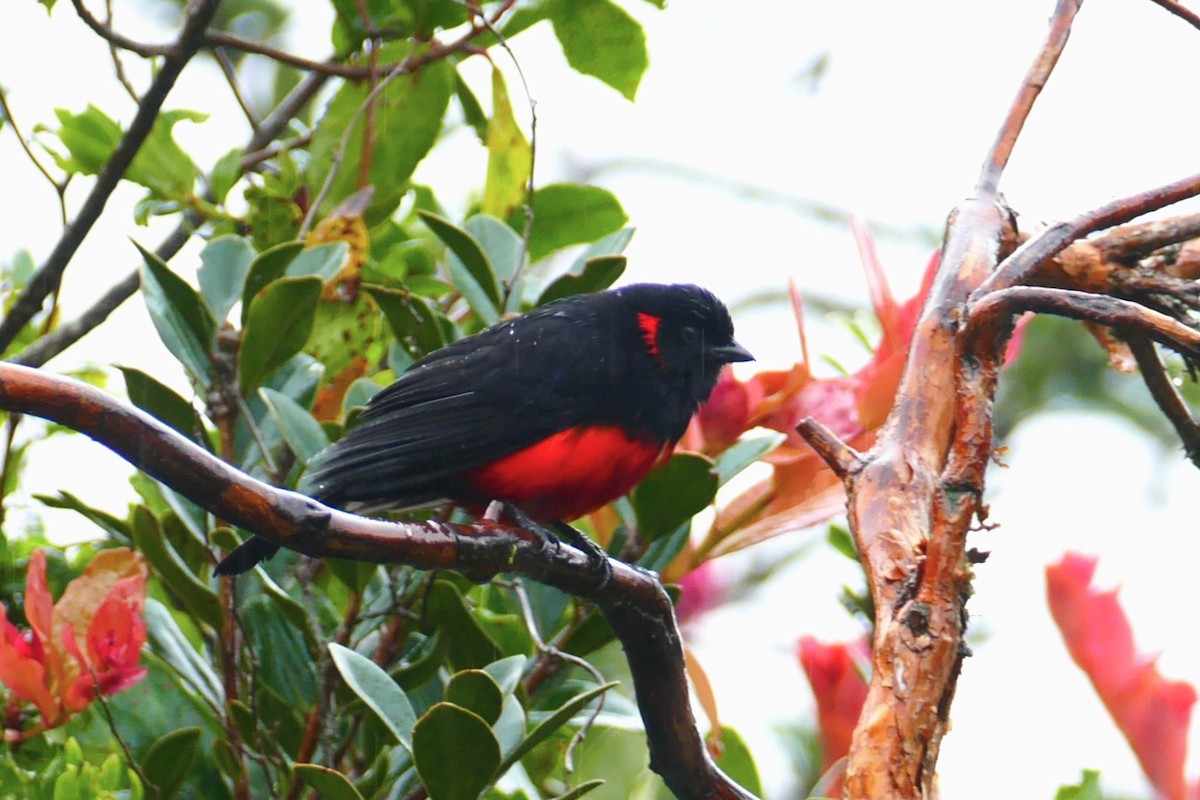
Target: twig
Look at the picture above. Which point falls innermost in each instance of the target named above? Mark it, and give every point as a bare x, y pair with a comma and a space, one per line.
1131, 242
65, 335
115, 53
230, 74
1166, 395
549, 651
1187, 15
410, 64
49, 275
633, 600
130, 761
841, 457
1108, 311
1035, 80
59, 187
1016, 268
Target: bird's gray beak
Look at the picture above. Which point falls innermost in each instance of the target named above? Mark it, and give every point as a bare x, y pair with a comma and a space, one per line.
729, 353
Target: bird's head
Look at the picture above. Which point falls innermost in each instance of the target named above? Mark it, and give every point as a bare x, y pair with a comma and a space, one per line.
686, 330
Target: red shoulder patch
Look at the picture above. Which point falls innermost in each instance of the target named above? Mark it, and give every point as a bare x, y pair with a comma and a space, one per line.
648, 323
569, 474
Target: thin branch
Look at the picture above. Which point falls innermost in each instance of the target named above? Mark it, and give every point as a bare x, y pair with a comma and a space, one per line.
106, 32
115, 53
1166, 395
1111, 312
841, 457
1031, 87
49, 275
47, 347
230, 74
633, 600
1016, 268
410, 64
65, 335
1131, 242
1187, 15
12, 122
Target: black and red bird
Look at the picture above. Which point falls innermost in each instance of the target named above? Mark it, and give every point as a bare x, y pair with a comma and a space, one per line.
557, 412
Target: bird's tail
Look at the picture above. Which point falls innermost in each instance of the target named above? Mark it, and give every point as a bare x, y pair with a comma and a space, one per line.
246, 555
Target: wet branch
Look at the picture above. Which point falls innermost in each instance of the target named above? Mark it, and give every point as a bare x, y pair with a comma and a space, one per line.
633, 601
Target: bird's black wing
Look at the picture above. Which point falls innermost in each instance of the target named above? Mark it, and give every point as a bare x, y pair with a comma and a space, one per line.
470, 403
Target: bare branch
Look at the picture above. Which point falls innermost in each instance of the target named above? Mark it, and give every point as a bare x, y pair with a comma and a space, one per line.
1185, 14
841, 457
12, 122
49, 275
1031, 87
633, 600
1017, 267
1166, 395
230, 74
1111, 312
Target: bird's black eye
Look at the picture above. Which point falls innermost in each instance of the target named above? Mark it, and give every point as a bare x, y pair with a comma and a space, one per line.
689, 334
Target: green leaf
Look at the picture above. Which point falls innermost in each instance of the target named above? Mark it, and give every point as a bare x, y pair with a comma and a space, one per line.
843, 541
469, 267
329, 784
510, 155
550, 724
673, 493
1087, 789
278, 325
406, 124
737, 762
169, 760
90, 138
477, 691
455, 751
285, 664
502, 246
225, 173
303, 434
600, 39
417, 323
65, 500
742, 454
506, 672
224, 263
183, 323
195, 595
161, 402
598, 274
267, 268
378, 691
581, 789
161, 165
565, 214
168, 640
323, 260
613, 244
472, 111
467, 644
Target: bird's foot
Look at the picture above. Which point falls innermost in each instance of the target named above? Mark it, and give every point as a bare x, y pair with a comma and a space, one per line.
597, 559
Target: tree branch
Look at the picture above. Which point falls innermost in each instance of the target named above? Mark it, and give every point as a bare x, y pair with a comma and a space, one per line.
1111, 312
49, 275
633, 601
1017, 267
1035, 80
1163, 390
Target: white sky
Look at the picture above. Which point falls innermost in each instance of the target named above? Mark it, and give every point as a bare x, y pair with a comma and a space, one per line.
895, 132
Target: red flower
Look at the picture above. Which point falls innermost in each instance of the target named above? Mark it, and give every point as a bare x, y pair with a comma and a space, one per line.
89, 641
836, 674
802, 491
1152, 712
